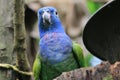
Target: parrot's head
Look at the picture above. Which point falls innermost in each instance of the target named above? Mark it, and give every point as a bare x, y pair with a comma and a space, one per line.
49, 21
48, 16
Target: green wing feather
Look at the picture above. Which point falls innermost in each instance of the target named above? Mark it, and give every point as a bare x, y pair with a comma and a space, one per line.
78, 54
37, 67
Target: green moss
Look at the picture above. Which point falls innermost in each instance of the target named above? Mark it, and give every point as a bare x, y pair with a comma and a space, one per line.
108, 77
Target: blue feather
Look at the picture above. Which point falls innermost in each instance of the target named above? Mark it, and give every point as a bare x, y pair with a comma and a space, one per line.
55, 45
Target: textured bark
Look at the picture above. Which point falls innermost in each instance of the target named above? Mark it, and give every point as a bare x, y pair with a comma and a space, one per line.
104, 71
20, 39
6, 37
12, 41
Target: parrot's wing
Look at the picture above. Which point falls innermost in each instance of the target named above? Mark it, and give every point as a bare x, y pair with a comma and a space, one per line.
37, 67
78, 53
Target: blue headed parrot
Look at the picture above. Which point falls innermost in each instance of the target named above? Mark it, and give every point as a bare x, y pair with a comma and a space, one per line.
57, 52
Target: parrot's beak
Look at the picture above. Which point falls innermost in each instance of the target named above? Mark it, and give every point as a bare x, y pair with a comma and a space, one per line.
46, 18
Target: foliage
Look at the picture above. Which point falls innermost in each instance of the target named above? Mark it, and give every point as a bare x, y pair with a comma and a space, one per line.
93, 6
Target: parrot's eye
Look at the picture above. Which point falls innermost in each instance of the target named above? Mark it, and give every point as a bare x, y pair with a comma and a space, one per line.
56, 13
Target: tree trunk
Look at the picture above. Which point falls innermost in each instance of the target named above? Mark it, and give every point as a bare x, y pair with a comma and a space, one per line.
20, 39
6, 37
13, 41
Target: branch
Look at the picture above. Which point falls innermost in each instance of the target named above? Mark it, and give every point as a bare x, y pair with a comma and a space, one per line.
103, 71
20, 36
8, 66
20, 46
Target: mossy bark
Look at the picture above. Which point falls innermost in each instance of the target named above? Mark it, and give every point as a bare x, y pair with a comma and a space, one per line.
12, 39
6, 37
103, 71
20, 39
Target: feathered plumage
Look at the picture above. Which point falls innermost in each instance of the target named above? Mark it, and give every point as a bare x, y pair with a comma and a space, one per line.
57, 52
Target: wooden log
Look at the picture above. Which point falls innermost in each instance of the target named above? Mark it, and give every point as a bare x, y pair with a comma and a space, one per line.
103, 71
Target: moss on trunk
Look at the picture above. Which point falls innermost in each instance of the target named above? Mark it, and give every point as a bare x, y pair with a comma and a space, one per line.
6, 37
20, 39
12, 40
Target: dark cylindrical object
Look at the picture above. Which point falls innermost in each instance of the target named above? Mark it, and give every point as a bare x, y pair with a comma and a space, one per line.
101, 35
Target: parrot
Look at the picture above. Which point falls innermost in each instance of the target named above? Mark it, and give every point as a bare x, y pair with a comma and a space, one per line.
57, 52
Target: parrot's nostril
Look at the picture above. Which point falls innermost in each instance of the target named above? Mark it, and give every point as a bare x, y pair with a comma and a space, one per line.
48, 11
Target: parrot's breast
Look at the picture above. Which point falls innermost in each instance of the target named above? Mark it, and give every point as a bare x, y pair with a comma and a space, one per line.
55, 47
